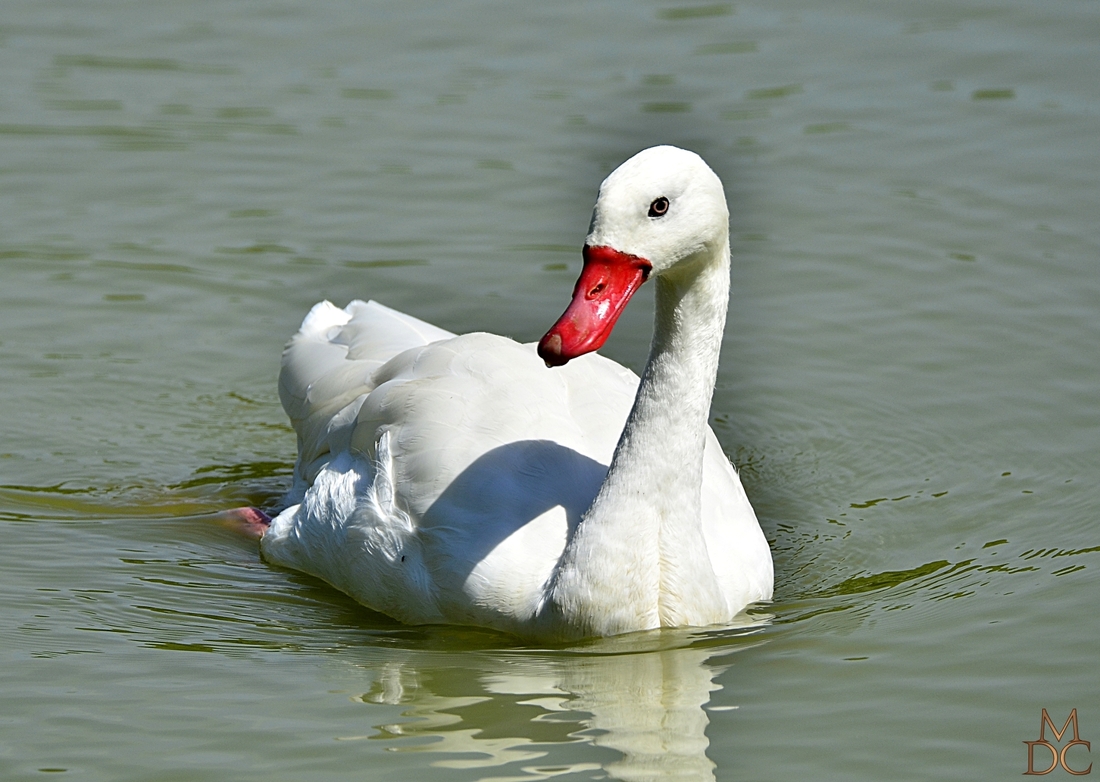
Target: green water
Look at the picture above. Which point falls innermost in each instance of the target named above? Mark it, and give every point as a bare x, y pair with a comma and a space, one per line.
909, 381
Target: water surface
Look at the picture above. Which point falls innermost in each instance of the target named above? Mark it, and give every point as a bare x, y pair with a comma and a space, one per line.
909, 378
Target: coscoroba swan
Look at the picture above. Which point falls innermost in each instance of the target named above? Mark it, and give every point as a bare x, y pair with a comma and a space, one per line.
458, 479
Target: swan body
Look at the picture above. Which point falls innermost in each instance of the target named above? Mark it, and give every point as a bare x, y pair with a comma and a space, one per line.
540, 490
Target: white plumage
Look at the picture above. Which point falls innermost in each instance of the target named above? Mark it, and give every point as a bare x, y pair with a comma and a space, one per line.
458, 479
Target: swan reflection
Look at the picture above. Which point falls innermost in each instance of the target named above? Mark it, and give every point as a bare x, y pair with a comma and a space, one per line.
634, 706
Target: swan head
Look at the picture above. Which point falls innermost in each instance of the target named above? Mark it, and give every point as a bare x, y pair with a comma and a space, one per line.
661, 211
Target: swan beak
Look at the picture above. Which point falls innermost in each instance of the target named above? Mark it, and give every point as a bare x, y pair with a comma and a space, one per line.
608, 280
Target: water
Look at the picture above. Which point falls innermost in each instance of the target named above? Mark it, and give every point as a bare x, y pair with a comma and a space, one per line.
909, 380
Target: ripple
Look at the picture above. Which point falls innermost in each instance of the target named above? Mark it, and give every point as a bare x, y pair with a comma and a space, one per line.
696, 12
993, 94
138, 64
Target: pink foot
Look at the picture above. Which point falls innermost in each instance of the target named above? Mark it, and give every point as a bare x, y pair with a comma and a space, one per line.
251, 522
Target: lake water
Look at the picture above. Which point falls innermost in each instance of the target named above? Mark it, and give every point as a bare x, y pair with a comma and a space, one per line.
909, 383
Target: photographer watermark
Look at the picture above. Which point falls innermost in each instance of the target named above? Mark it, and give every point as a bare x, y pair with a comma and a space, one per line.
1057, 757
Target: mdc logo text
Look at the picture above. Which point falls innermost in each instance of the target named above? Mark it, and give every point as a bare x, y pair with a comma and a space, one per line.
1057, 757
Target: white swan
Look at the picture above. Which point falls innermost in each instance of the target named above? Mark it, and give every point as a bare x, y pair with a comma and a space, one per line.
458, 479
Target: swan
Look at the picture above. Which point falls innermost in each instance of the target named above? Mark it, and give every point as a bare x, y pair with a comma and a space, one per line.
544, 491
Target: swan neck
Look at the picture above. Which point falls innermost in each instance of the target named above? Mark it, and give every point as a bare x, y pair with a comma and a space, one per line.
638, 559
689, 321
669, 418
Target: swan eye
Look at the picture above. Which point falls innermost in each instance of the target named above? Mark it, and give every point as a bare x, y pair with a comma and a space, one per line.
658, 207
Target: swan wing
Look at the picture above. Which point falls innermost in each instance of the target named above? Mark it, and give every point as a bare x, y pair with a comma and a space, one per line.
327, 372
439, 481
